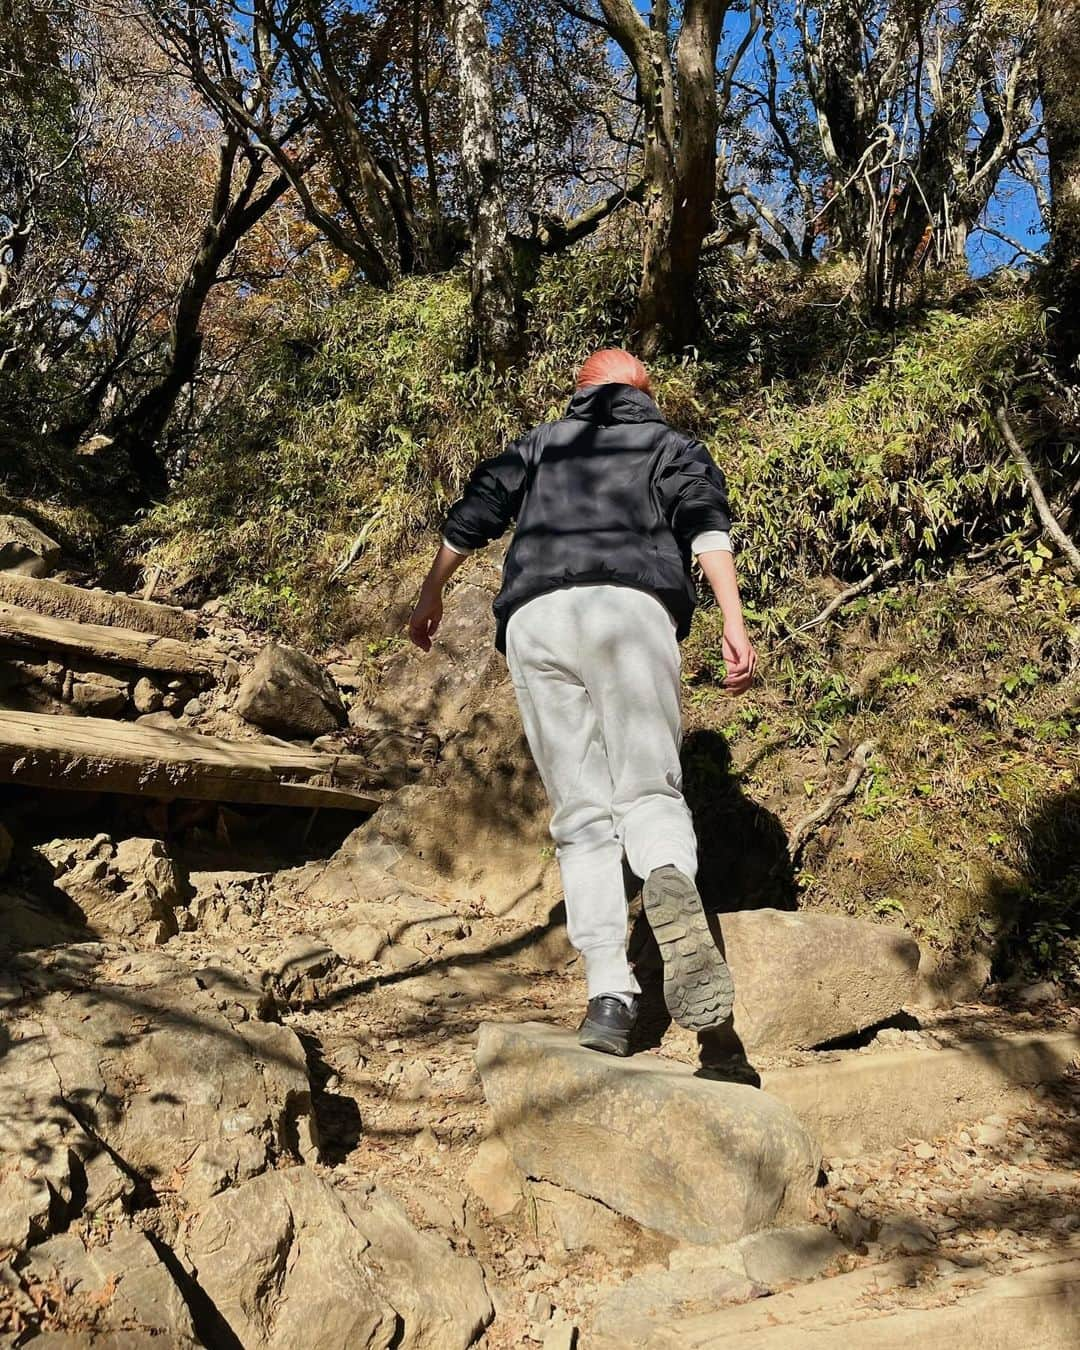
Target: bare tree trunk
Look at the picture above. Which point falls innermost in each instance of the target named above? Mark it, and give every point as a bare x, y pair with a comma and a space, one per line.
138, 429
1058, 36
679, 106
491, 261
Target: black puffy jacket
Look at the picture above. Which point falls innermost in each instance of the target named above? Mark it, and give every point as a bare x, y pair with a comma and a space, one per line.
609, 493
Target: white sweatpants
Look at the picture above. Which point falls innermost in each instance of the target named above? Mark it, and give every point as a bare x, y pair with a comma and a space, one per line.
596, 673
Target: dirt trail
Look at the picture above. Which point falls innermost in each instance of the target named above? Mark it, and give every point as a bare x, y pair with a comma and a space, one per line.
203, 1005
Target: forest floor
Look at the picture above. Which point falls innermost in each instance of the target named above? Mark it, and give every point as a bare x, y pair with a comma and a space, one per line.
203, 1003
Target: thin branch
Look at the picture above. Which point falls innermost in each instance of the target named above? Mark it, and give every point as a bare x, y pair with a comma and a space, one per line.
1038, 497
838, 601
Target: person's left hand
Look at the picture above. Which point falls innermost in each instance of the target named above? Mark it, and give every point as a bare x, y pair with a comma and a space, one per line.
740, 659
425, 620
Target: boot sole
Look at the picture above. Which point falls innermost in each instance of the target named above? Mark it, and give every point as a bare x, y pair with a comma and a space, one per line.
606, 1041
698, 988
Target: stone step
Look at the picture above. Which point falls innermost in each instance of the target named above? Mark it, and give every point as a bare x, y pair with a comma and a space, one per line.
893, 1306
699, 1159
858, 1102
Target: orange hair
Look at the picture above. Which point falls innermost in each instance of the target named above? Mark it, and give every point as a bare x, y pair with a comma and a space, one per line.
612, 365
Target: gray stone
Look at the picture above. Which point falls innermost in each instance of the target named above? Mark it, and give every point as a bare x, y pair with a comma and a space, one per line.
866, 1101
300, 972
98, 699
124, 1275
699, 1159
288, 1253
288, 693
579, 1223
806, 978
628, 1316
772, 1258
129, 890
493, 1177
26, 549
146, 696
129, 1063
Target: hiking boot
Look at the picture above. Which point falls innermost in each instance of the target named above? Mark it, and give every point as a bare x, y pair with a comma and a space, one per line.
698, 988
609, 1022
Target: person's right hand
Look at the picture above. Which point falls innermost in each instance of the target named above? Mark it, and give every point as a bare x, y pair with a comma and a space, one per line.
425, 620
740, 659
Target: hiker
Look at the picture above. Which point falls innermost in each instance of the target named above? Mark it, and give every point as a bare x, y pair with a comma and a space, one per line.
610, 504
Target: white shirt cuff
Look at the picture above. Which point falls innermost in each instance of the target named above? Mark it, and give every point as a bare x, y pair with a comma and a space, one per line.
711, 541
456, 548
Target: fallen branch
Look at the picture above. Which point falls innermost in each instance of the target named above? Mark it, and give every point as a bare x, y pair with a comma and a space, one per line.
860, 587
1038, 497
803, 829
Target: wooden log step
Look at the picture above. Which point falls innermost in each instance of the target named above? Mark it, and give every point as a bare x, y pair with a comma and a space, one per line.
58, 600
115, 646
97, 755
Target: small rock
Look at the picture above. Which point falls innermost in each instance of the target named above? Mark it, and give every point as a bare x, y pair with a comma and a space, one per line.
289, 694
99, 700
560, 1336
193, 708
493, 1178
538, 1308
1045, 991
906, 1235
925, 1152
146, 696
992, 1136
26, 549
415, 1082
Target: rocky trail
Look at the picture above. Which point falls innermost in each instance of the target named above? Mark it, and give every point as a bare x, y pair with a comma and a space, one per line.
290, 1075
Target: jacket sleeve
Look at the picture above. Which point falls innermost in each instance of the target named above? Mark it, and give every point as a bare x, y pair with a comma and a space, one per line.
490, 502
692, 491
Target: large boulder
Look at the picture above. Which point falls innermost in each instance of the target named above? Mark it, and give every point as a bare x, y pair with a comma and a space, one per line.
804, 979
289, 1260
126, 1068
699, 1159
26, 549
288, 693
128, 889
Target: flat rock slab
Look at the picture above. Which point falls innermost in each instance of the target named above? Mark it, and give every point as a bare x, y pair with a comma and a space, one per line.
804, 979
126, 1068
291, 1261
859, 1102
895, 1307
692, 1157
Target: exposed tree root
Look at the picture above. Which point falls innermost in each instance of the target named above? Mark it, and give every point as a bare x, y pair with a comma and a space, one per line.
804, 828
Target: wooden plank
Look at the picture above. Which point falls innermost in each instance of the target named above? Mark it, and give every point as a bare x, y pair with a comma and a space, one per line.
61, 601
94, 754
114, 646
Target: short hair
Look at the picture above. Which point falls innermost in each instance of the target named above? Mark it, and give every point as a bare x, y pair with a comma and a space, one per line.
613, 365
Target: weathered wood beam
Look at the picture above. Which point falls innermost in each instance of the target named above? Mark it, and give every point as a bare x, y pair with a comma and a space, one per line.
97, 755
61, 601
114, 646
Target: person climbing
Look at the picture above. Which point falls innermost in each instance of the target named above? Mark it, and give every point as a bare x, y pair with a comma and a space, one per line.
611, 504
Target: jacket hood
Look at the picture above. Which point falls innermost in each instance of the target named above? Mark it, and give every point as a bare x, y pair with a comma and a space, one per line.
610, 404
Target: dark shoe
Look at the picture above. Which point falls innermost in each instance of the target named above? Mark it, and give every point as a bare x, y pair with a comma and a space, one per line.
698, 988
608, 1024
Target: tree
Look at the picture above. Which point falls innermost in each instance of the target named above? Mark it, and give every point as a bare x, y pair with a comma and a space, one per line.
1059, 85
906, 118
491, 260
676, 90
